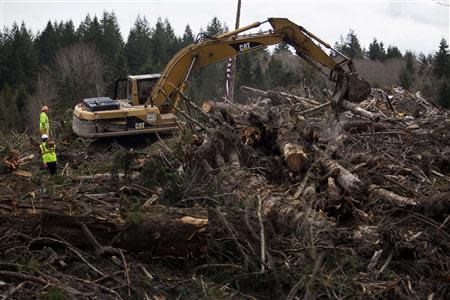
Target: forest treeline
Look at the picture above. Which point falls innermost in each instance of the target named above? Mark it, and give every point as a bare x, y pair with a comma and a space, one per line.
63, 64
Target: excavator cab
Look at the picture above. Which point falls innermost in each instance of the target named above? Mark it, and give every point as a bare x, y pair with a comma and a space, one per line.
135, 89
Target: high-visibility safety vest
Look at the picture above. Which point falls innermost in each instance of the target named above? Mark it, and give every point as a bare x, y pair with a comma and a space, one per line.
48, 153
43, 123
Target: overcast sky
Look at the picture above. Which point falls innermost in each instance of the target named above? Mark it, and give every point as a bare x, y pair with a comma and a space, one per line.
418, 25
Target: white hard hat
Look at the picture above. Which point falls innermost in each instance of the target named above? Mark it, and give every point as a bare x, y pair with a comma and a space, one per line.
44, 137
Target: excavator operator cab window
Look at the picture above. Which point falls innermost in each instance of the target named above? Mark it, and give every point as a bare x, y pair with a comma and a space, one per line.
123, 87
145, 87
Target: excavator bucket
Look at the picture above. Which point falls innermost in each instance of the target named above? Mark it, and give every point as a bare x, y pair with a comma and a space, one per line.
358, 89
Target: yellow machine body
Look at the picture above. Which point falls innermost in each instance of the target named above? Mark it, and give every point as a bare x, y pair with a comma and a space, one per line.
149, 107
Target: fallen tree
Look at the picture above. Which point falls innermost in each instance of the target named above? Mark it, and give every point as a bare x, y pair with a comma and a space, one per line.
159, 230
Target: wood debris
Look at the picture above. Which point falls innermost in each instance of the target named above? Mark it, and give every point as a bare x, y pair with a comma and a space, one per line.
275, 189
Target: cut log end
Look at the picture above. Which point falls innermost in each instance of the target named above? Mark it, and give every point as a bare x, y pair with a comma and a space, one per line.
295, 157
206, 106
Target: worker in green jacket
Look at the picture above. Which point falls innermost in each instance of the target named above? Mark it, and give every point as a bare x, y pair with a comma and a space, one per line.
44, 126
48, 151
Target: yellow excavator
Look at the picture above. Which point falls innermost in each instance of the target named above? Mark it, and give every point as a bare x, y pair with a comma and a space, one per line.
147, 103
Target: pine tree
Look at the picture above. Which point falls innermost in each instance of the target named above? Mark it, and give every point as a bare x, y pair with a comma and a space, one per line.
244, 74
259, 78
407, 73
68, 35
393, 52
83, 27
112, 47
278, 75
382, 51
2, 60
93, 32
173, 44
376, 50
9, 114
441, 65
21, 60
215, 27
188, 37
353, 45
444, 93
350, 46
159, 46
138, 47
422, 64
47, 44
441, 72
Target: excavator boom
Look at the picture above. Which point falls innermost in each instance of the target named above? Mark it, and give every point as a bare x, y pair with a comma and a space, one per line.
173, 81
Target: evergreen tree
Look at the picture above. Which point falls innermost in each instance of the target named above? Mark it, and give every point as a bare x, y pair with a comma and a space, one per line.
9, 114
215, 27
138, 47
423, 64
159, 47
382, 51
444, 93
244, 74
376, 50
259, 79
83, 27
407, 73
188, 37
68, 35
92, 32
393, 52
350, 46
441, 71
112, 47
21, 61
278, 75
173, 44
441, 65
2, 60
47, 44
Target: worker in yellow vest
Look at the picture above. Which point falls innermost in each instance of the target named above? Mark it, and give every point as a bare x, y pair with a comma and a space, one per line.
44, 126
48, 151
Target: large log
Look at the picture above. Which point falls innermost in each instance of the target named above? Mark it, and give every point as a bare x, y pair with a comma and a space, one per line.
160, 230
347, 180
356, 109
289, 137
215, 106
286, 211
279, 97
363, 126
291, 141
391, 196
294, 155
295, 99
252, 91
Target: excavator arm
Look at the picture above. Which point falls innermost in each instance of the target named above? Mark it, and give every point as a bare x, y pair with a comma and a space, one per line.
173, 81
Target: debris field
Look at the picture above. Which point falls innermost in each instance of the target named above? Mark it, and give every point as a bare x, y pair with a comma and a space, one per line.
280, 197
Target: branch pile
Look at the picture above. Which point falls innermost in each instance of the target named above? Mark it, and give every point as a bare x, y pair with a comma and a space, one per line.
282, 200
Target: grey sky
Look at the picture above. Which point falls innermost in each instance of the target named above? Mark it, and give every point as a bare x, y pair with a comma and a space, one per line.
410, 24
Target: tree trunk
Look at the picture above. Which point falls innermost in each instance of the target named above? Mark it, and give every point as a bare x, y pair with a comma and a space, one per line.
163, 231
357, 110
